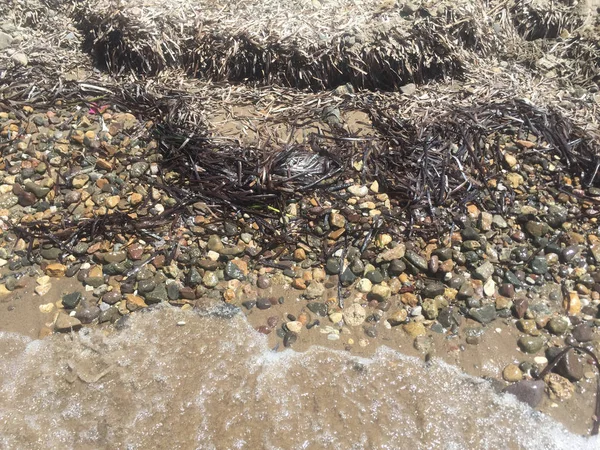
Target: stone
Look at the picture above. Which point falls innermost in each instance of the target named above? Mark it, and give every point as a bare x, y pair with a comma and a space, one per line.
536, 229
484, 271
394, 253
294, 326
449, 317
318, 308
56, 270
512, 373
112, 297
569, 365
398, 317
530, 392
354, 315
364, 285
558, 388
314, 290
263, 303
484, 314
572, 303
214, 243
414, 329
158, 295
87, 312
583, 333
558, 325
430, 309
5, 40
539, 265
210, 279
263, 282
433, 289
336, 316
332, 266
65, 323
233, 271
70, 301
347, 277
358, 191
530, 344
336, 220
416, 260
557, 215
20, 58
466, 291
514, 180
380, 292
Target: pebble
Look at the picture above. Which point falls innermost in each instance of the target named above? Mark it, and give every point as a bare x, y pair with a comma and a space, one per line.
530, 392
512, 373
569, 366
294, 326
530, 344
484, 314
358, 191
583, 332
398, 317
558, 325
558, 388
65, 323
70, 301
414, 329
380, 292
314, 290
354, 315
263, 303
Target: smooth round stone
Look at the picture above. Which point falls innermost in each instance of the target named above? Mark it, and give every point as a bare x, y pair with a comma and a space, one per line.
210, 279
558, 325
433, 289
263, 282
539, 265
398, 317
145, 286
112, 297
364, 285
512, 373
569, 253
530, 344
87, 313
318, 308
583, 333
375, 276
396, 267
294, 326
336, 317
263, 303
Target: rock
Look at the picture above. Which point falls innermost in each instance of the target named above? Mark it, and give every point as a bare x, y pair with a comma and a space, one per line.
466, 291
414, 329
539, 265
233, 271
530, 392
354, 315
558, 325
375, 276
65, 323
210, 279
314, 290
5, 40
56, 270
20, 58
8, 200
408, 89
214, 244
558, 388
528, 326
263, 303
506, 290
396, 267
416, 260
336, 316
449, 317
70, 301
364, 285
289, 339
347, 277
380, 292
572, 303
398, 317
87, 313
333, 266
336, 220
530, 344
430, 309
512, 373
294, 326
318, 308
583, 333
499, 222
110, 315
358, 191
394, 253
263, 282
433, 289
557, 215
536, 229
158, 295
569, 366
484, 271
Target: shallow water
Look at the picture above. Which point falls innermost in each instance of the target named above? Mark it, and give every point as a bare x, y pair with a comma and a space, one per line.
213, 383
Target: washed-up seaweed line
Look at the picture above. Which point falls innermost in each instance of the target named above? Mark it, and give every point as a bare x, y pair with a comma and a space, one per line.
450, 157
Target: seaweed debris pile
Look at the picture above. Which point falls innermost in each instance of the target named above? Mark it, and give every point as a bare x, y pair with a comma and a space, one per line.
417, 169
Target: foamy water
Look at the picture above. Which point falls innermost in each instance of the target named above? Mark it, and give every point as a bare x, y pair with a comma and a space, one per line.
213, 383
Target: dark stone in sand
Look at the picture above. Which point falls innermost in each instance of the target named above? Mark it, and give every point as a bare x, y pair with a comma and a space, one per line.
263, 303
187, 293
527, 391
444, 254
448, 317
583, 332
569, 366
289, 338
318, 308
249, 304
520, 305
263, 282
72, 270
70, 301
511, 278
484, 314
371, 331
506, 290
466, 291
530, 344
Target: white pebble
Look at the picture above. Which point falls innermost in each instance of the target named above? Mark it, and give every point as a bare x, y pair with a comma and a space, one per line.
540, 360
181, 323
